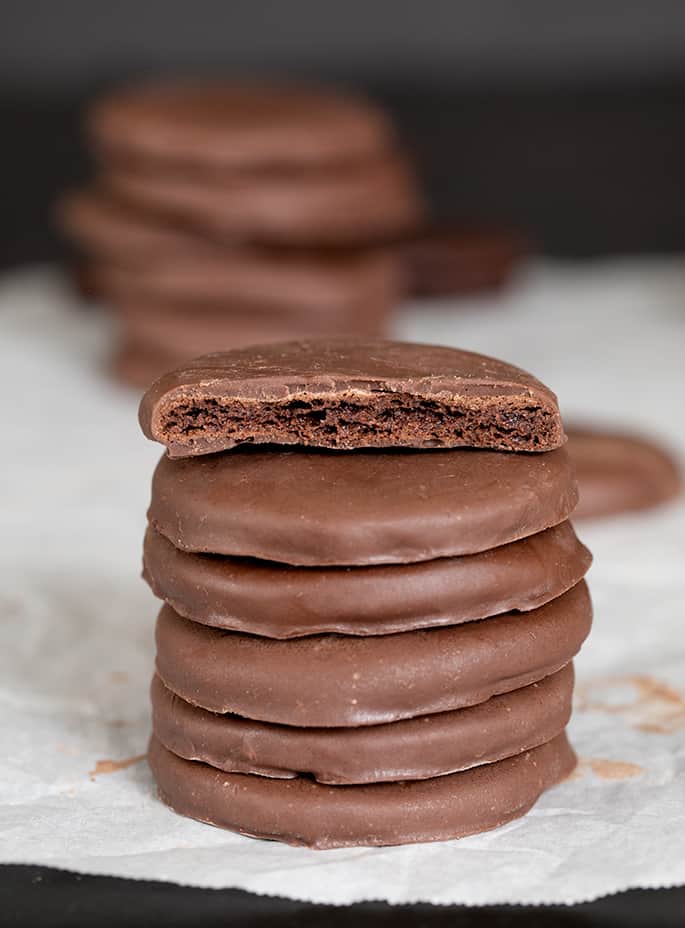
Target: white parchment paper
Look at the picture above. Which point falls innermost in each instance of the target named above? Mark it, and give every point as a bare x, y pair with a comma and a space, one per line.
76, 621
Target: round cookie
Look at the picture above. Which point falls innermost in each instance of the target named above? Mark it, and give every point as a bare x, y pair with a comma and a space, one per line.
350, 206
619, 472
350, 393
445, 261
215, 126
318, 290
321, 508
412, 749
137, 365
276, 601
135, 258
182, 332
158, 337
342, 681
303, 812
102, 227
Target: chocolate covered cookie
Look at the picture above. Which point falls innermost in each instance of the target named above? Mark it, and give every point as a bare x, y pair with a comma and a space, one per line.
350, 394
138, 365
316, 291
135, 258
348, 205
277, 601
303, 812
182, 331
214, 127
341, 680
411, 749
324, 508
619, 472
445, 261
103, 227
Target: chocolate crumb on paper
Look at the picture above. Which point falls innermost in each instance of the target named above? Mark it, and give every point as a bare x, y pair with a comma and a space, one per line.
112, 766
613, 769
606, 769
645, 703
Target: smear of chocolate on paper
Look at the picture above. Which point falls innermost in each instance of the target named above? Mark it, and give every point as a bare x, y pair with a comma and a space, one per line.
111, 766
644, 702
605, 769
613, 769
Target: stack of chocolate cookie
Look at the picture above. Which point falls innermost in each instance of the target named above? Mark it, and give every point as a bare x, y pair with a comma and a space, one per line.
372, 591
226, 215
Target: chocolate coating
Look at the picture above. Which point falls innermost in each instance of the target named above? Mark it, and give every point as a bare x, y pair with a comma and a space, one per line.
350, 393
138, 365
413, 749
445, 261
304, 812
341, 681
315, 289
180, 332
138, 258
214, 126
342, 206
102, 227
265, 598
619, 472
322, 508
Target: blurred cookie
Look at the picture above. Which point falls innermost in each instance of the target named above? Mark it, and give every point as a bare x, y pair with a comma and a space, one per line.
343, 205
620, 472
214, 126
446, 261
134, 256
183, 331
256, 162
138, 366
301, 286
101, 227
319, 290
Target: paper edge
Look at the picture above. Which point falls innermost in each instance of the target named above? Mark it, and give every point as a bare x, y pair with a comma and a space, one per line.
321, 900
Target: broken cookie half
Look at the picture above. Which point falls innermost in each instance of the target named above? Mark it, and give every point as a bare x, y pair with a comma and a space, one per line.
350, 393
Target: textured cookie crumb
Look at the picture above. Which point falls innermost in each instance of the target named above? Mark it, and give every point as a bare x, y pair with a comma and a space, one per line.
372, 420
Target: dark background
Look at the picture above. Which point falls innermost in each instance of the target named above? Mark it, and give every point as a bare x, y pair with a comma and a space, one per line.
564, 120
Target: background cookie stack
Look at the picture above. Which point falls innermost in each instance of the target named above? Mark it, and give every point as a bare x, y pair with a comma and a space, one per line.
372, 644
225, 215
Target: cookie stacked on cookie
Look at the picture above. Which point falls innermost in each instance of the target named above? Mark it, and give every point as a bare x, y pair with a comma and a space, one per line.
228, 214
372, 591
